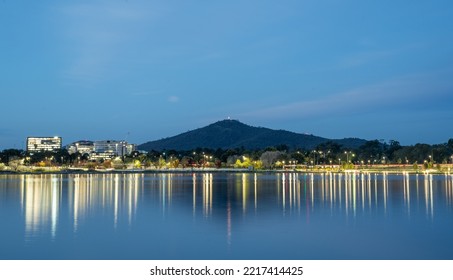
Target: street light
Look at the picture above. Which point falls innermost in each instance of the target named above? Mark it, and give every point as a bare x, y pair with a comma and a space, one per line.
314, 156
347, 155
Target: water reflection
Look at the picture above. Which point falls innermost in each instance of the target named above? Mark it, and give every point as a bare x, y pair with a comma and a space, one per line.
449, 189
84, 194
41, 196
290, 191
355, 193
46, 199
111, 192
207, 194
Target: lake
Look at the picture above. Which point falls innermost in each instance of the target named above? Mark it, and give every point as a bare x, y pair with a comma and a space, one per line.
226, 215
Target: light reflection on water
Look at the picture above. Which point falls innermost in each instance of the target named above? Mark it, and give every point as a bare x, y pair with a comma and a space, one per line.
235, 203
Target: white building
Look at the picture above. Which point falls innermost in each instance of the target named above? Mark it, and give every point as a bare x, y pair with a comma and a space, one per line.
82, 146
111, 148
40, 144
105, 149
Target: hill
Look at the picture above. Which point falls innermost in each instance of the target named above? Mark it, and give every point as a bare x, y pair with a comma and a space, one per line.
234, 134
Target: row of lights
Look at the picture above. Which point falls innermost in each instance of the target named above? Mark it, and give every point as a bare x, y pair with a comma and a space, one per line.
347, 153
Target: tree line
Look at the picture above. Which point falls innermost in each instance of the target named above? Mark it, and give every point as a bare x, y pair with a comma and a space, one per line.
373, 152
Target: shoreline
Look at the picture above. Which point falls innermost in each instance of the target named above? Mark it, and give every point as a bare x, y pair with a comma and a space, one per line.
228, 170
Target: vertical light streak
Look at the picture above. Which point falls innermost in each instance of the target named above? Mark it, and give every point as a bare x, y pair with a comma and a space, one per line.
312, 183
322, 188
426, 187
207, 194
163, 189
89, 192
116, 201
447, 190
362, 187
450, 190
417, 188
340, 191
54, 206
255, 182
290, 182
104, 192
334, 181
307, 200
346, 191
229, 224
284, 192
354, 193
170, 189
29, 209
136, 192
431, 195
129, 190
369, 190
298, 193
194, 192
210, 193
408, 194
76, 201
375, 191
244, 193
22, 192
384, 178
331, 190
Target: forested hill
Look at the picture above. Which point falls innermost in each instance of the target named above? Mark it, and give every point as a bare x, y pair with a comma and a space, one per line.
228, 134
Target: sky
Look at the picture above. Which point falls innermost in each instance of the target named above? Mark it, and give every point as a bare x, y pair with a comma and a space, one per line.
142, 70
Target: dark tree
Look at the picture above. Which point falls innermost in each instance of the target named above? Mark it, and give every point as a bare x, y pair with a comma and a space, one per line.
8, 154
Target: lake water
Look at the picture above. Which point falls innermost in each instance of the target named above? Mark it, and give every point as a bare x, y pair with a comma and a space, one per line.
226, 216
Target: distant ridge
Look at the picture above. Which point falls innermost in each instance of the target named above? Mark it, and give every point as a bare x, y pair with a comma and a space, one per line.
227, 134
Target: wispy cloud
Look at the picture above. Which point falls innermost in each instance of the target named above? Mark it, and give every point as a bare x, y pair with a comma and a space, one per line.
373, 55
406, 93
365, 57
209, 57
173, 99
146, 93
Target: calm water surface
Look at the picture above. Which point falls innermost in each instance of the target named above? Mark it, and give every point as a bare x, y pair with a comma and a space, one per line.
226, 216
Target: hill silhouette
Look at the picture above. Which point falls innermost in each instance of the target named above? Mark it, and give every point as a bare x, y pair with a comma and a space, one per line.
228, 134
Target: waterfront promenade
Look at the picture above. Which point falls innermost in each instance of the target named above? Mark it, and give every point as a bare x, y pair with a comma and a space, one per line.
410, 169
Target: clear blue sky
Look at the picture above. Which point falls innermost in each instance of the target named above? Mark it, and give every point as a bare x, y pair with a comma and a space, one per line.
144, 70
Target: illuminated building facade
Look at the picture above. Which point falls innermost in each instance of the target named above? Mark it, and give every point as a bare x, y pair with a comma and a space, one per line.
40, 144
105, 149
82, 146
110, 148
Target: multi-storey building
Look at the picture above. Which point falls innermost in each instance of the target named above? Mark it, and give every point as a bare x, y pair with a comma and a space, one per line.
40, 144
113, 148
104, 149
82, 147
